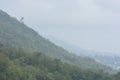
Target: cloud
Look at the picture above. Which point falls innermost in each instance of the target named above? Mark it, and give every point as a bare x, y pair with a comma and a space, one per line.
109, 5
77, 12
66, 12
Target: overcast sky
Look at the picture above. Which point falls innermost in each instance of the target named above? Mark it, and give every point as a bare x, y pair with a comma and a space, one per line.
90, 24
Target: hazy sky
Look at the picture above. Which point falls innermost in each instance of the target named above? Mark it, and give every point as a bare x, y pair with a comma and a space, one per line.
90, 24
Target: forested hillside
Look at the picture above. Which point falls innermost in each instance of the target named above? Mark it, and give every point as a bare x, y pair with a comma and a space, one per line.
18, 64
17, 34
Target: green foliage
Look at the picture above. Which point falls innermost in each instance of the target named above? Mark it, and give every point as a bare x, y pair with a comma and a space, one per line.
17, 34
117, 76
17, 64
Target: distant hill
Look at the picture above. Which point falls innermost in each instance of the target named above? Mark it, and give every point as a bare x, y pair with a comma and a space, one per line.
17, 34
106, 58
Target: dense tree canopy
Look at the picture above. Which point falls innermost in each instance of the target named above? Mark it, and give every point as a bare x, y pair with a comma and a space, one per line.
18, 64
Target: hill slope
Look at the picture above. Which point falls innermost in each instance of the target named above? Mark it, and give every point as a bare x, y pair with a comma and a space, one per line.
18, 64
15, 33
